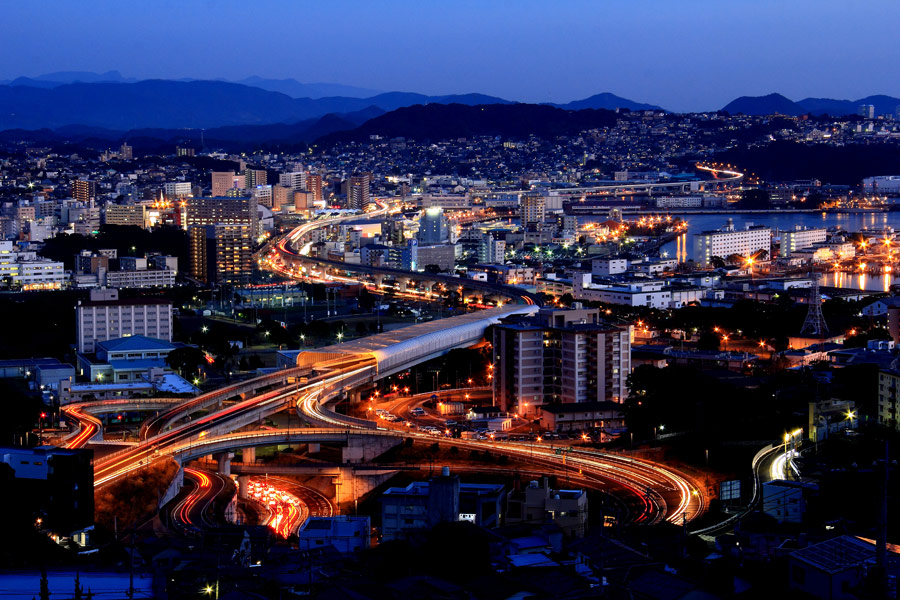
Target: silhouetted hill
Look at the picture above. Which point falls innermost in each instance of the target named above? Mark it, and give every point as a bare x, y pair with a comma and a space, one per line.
839, 165
230, 137
446, 121
776, 103
763, 105
607, 101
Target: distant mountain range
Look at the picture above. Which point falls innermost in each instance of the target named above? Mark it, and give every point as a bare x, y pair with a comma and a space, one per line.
109, 106
111, 101
776, 103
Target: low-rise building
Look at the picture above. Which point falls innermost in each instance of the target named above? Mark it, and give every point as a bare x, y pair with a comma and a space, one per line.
835, 568
23, 270
583, 416
423, 504
105, 316
347, 534
537, 503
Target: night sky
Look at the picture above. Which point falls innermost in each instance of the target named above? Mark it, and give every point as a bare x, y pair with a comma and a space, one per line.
680, 54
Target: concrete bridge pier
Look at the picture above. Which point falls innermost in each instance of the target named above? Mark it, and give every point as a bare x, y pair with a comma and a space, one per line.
360, 450
224, 462
248, 455
350, 485
243, 486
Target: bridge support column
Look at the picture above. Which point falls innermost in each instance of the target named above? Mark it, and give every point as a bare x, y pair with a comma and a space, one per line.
404, 285
248, 455
360, 450
351, 485
224, 460
313, 448
243, 485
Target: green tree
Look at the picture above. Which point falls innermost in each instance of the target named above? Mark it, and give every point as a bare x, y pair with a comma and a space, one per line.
185, 360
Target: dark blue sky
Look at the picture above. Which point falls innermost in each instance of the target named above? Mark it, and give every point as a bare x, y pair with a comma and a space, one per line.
681, 54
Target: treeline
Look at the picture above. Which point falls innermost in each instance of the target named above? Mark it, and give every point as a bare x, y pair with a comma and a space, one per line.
127, 240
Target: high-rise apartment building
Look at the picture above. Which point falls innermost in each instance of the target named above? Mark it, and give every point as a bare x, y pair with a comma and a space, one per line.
83, 190
126, 152
177, 189
559, 356
314, 186
532, 209
254, 177
229, 210
221, 232
122, 214
295, 180
106, 317
358, 191
221, 254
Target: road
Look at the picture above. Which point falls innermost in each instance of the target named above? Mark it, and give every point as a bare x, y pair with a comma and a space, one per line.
195, 510
287, 503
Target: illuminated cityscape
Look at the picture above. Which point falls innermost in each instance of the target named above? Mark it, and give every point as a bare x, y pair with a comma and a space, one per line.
450, 326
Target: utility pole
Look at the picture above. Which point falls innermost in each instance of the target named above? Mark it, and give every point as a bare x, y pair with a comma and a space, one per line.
880, 575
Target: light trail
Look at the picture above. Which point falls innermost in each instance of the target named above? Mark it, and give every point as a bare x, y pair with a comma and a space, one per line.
89, 426
284, 509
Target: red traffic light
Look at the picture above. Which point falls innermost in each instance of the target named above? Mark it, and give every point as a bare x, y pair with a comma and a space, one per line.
43, 415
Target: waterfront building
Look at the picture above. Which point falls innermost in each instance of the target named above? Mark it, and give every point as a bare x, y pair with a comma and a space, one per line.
729, 241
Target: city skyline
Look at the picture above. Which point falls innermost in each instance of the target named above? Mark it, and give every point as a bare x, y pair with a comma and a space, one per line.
690, 57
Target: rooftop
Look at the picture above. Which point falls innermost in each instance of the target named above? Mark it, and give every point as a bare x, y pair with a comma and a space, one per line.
134, 343
837, 554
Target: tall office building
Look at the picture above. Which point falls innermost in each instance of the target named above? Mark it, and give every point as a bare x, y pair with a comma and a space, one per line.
221, 254
314, 186
358, 193
532, 209
559, 356
126, 152
83, 190
434, 227
254, 177
222, 181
